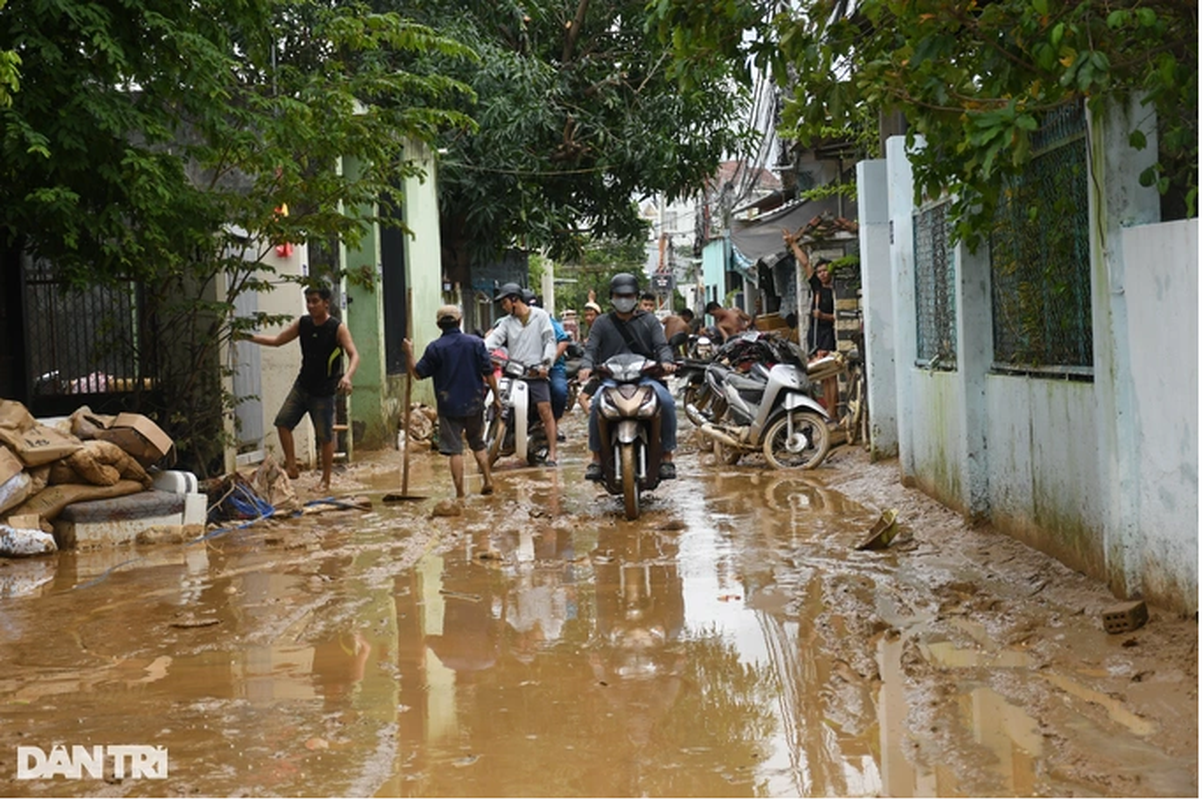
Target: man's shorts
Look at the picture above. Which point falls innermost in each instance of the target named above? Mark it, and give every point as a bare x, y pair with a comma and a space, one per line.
320, 409
452, 429
540, 390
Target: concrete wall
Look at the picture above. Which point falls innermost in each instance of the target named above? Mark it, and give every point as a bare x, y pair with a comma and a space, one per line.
1162, 335
280, 365
423, 259
364, 317
1101, 473
379, 397
714, 258
1045, 484
872, 181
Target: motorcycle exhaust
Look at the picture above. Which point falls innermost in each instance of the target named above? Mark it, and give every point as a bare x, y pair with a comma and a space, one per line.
709, 430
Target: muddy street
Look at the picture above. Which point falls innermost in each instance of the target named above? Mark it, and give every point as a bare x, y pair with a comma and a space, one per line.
732, 642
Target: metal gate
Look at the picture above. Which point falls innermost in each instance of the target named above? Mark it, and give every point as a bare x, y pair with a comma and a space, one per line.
78, 340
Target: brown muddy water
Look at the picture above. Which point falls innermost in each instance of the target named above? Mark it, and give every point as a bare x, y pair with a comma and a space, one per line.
730, 643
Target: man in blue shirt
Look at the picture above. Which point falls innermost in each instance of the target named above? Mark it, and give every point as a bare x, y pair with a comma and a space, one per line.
459, 365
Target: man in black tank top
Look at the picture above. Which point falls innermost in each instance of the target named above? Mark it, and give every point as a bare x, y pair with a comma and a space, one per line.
324, 341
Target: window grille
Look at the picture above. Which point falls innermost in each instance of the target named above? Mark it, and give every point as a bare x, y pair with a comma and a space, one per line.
1039, 257
935, 288
79, 340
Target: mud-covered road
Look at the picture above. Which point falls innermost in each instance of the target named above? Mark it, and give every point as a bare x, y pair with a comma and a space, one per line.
730, 643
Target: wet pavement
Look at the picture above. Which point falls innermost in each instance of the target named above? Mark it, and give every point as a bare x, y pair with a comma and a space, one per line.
729, 643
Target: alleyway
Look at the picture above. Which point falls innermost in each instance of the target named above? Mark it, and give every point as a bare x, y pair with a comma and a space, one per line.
730, 643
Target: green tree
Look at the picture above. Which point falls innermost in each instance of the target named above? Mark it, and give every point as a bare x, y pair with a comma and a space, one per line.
154, 143
591, 270
975, 78
581, 111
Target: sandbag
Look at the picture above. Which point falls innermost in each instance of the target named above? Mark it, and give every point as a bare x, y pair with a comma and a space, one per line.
86, 425
93, 473
20, 542
99, 463
39, 444
50, 502
15, 416
14, 491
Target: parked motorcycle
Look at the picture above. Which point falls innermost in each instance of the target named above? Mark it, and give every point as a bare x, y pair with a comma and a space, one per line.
572, 358
516, 429
769, 405
628, 419
739, 351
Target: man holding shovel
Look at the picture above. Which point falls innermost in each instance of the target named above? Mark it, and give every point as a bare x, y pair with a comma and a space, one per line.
459, 365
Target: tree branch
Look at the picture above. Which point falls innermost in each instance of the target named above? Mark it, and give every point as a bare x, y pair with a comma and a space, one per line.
574, 29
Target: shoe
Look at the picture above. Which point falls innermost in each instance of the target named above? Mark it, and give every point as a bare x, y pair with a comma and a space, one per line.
667, 471
559, 437
593, 472
550, 462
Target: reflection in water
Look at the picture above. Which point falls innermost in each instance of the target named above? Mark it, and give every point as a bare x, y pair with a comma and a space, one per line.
640, 617
338, 666
600, 693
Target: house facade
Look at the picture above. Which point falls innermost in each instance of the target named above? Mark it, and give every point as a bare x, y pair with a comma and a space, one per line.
1062, 409
391, 270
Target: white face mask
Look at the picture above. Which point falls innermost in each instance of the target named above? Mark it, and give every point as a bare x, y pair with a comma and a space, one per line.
624, 305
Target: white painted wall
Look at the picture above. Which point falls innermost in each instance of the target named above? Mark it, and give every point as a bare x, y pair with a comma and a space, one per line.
281, 365
872, 182
1101, 474
1162, 315
423, 259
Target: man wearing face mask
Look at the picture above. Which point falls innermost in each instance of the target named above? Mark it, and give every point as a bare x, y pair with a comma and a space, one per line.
629, 330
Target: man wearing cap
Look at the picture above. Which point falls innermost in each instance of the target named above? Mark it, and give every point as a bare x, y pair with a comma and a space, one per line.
459, 365
530, 339
591, 312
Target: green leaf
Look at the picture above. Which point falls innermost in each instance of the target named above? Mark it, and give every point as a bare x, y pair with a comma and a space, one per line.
1057, 34
1137, 139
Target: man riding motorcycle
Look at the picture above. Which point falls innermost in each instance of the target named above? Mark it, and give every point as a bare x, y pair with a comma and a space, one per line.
628, 330
530, 339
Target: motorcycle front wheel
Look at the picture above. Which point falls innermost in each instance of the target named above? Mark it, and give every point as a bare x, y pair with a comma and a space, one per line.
805, 449
630, 481
494, 436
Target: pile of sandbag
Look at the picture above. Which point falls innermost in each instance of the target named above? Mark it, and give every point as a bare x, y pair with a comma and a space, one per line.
44, 468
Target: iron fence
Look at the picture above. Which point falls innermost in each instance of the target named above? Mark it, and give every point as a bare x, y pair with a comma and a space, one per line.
1039, 257
79, 340
935, 287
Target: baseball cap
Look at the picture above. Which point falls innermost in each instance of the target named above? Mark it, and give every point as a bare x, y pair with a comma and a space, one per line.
448, 312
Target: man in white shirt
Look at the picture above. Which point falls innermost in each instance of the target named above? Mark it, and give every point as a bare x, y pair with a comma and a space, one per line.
528, 336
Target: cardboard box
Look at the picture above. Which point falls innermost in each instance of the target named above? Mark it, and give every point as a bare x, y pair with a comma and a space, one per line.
139, 436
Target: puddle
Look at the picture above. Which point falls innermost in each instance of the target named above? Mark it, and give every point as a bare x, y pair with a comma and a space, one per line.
547, 647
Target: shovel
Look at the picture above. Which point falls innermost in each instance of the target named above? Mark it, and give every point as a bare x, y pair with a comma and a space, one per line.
392, 497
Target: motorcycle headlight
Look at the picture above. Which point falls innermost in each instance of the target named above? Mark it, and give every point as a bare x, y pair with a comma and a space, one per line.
647, 407
514, 369
606, 407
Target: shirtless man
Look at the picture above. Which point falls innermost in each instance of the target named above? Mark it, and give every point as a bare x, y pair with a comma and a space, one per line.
728, 321
674, 324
